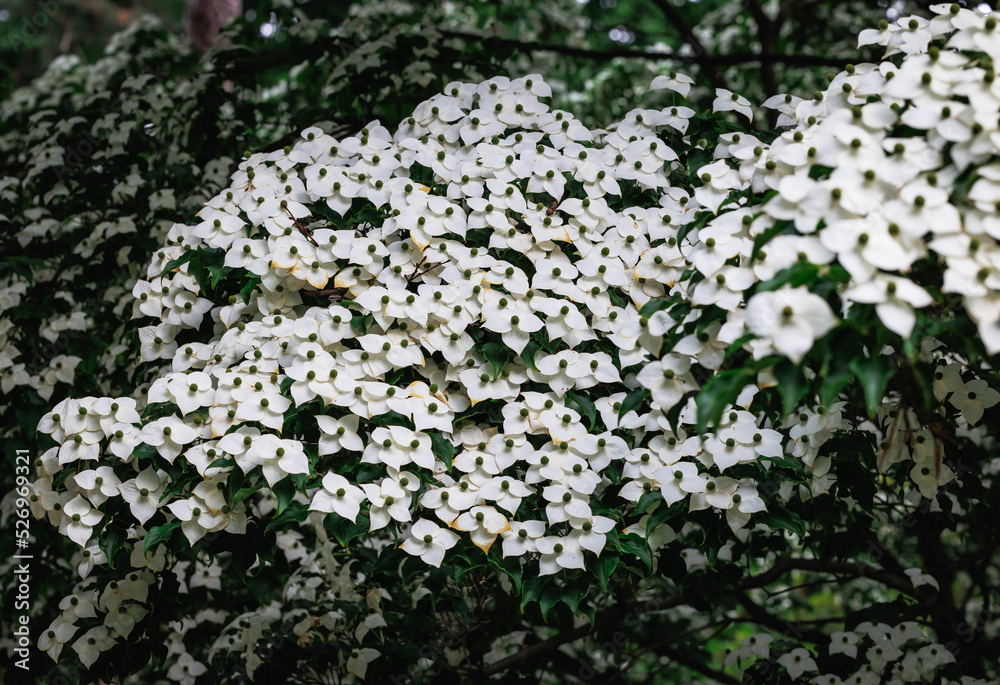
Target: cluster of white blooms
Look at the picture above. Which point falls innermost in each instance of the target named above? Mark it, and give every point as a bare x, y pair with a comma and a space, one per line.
885, 654
862, 183
76, 127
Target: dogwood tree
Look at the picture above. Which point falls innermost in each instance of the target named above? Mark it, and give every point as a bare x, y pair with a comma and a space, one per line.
494, 393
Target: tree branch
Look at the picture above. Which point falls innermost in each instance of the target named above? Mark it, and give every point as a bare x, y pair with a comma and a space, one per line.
676, 19
762, 616
732, 59
767, 34
695, 665
623, 611
323, 293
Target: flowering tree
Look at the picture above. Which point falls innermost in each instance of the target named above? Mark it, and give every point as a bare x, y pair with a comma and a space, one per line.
494, 393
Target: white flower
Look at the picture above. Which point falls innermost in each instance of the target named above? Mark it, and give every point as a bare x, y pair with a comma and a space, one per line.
797, 662
679, 83
679, 480
668, 379
58, 634
79, 519
918, 578
390, 500
168, 435
429, 542
728, 101
973, 398
280, 458
522, 537
357, 663
559, 553
789, 320
484, 523
90, 645
844, 643
338, 495
894, 300
143, 493
197, 518
186, 670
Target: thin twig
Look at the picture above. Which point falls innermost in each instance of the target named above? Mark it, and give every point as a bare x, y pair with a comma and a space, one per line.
305, 231
323, 293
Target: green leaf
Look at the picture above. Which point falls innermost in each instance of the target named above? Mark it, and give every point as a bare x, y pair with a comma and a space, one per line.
818, 171
662, 515
633, 401
583, 405
836, 373
653, 306
111, 542
780, 518
634, 544
344, 530
874, 374
296, 511
442, 447
284, 490
510, 566
252, 282
719, 392
159, 534
243, 493
218, 272
551, 595
222, 462
648, 499
737, 345
603, 567
572, 595
532, 591
792, 385
497, 355
529, 352
183, 259
765, 237
800, 273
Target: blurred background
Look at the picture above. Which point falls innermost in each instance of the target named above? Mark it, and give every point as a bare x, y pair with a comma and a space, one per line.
33, 32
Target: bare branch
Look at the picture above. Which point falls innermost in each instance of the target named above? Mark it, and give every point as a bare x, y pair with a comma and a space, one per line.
677, 20
767, 34
702, 60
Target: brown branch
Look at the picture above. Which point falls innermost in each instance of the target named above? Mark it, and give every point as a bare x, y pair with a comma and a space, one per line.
695, 665
416, 268
305, 231
615, 676
677, 20
767, 33
333, 292
703, 60
785, 12
762, 616
854, 570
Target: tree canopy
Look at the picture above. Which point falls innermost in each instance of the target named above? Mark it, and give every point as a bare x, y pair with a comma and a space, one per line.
544, 342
